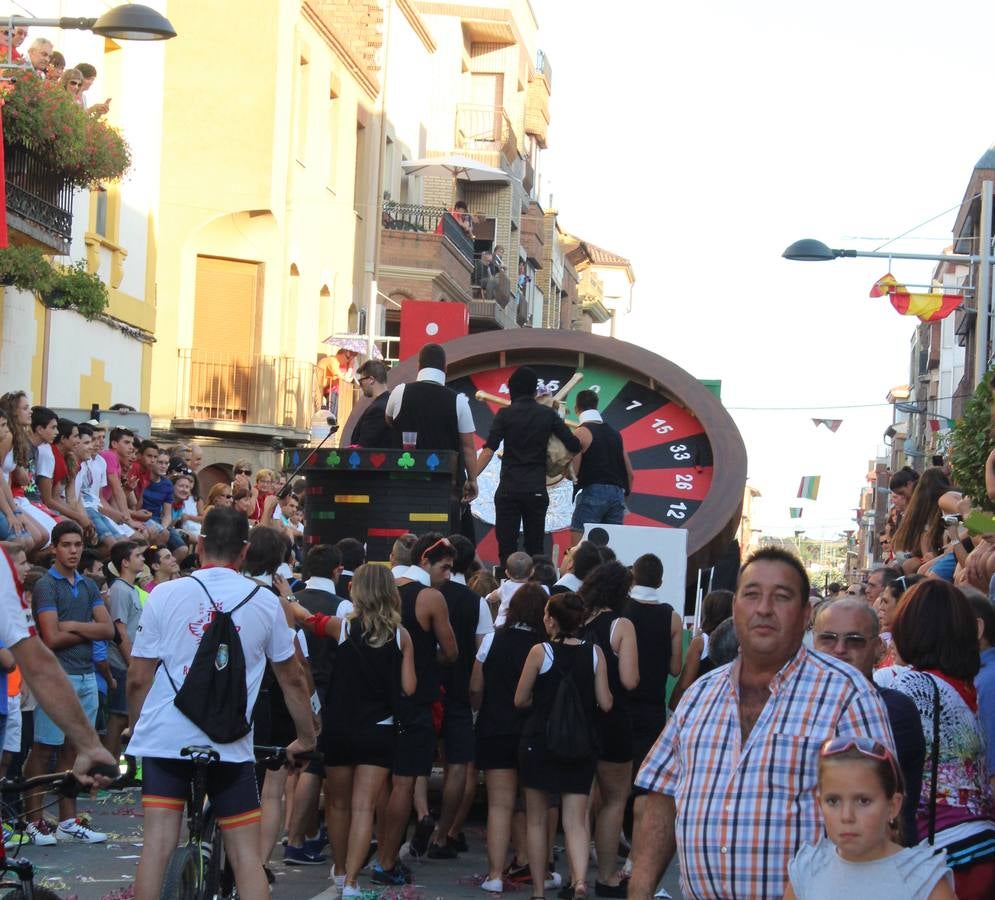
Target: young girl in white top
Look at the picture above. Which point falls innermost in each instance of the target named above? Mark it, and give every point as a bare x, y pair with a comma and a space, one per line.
860, 795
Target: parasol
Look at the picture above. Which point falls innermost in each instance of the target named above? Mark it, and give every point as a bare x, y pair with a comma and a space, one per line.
357, 343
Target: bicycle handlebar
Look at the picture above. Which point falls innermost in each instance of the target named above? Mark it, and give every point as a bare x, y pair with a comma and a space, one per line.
64, 782
275, 758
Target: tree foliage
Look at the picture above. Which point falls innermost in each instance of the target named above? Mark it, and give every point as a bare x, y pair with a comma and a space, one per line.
972, 440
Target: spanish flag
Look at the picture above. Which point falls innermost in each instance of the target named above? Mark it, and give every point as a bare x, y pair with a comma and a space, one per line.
928, 307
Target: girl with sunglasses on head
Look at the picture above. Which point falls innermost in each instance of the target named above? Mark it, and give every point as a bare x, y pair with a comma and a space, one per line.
860, 795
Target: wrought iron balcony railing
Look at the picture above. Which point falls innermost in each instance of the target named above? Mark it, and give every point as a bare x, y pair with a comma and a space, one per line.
39, 199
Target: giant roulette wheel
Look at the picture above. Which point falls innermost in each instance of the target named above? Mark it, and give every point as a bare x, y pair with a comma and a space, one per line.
687, 454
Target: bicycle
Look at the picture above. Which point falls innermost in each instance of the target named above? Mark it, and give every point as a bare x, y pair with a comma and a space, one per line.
64, 783
199, 869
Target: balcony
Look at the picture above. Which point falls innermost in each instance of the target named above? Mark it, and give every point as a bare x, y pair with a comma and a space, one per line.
489, 315
39, 200
482, 131
272, 396
424, 254
537, 100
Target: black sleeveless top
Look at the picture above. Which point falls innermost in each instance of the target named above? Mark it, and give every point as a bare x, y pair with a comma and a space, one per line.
502, 670
598, 631
464, 613
427, 667
652, 622
603, 462
366, 682
578, 658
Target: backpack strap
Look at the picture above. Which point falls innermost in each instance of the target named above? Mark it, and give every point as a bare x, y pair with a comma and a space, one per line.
935, 761
216, 608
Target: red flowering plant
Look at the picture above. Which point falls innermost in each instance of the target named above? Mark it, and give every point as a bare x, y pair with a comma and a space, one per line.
43, 117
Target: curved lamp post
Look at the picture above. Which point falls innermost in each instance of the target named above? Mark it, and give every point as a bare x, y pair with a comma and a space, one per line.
130, 22
811, 250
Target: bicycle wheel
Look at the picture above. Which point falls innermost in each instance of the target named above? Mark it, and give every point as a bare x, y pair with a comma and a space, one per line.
18, 894
182, 875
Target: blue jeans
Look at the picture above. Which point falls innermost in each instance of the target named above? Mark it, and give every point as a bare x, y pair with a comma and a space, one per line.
46, 731
599, 504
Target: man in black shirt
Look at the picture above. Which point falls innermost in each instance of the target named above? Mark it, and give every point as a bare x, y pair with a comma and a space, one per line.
372, 429
604, 473
521, 499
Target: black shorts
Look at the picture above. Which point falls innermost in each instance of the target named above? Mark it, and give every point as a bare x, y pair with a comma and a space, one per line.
647, 723
457, 731
415, 742
231, 788
374, 745
615, 736
271, 721
499, 751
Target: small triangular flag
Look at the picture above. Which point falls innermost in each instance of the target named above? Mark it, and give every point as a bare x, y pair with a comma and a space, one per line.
832, 424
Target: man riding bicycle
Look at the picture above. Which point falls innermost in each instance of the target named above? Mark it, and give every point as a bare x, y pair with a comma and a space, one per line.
173, 624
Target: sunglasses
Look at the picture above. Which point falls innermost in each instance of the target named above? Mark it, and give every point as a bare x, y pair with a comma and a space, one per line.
866, 746
851, 641
76, 83
243, 471
444, 542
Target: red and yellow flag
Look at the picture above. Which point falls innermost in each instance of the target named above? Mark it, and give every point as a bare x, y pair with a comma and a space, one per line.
929, 307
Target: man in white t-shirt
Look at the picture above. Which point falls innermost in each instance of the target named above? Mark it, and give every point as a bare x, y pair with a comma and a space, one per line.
90, 479
48, 682
172, 625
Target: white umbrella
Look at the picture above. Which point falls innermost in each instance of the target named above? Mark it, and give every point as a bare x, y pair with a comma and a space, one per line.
460, 168
357, 343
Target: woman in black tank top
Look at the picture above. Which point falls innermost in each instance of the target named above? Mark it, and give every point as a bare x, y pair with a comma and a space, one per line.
374, 666
605, 592
541, 772
498, 666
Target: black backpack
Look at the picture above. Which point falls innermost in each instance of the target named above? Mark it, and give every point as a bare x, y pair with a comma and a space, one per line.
570, 732
214, 694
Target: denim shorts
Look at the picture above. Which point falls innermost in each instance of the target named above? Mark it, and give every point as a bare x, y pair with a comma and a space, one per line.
5, 531
104, 526
46, 731
599, 504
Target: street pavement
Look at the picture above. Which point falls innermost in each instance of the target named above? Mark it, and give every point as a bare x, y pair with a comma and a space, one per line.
106, 871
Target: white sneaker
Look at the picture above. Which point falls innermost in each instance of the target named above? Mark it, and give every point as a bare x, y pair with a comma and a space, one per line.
351, 890
40, 833
338, 881
493, 885
554, 881
74, 830
664, 894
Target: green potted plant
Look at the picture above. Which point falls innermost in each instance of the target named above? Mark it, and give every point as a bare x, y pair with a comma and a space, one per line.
72, 287
42, 117
25, 268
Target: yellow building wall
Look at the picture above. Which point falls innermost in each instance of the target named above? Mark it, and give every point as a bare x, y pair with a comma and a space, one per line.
258, 161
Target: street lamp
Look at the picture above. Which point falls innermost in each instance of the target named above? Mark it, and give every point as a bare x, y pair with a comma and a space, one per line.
811, 250
130, 22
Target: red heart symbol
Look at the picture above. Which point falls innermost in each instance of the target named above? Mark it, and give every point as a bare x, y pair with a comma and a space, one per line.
378, 459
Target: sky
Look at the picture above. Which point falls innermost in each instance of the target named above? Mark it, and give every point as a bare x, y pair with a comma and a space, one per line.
701, 139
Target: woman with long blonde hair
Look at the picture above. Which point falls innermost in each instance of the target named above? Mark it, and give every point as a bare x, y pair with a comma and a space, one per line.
374, 663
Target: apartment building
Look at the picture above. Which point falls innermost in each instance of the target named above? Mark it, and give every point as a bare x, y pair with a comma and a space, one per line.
267, 214
60, 358
488, 106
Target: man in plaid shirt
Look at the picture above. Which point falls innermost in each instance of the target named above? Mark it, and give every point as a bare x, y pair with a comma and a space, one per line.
732, 779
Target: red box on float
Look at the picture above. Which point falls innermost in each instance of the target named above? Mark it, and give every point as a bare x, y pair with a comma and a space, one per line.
431, 322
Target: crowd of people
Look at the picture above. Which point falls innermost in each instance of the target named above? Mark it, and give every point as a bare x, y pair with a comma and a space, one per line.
50, 65
809, 743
